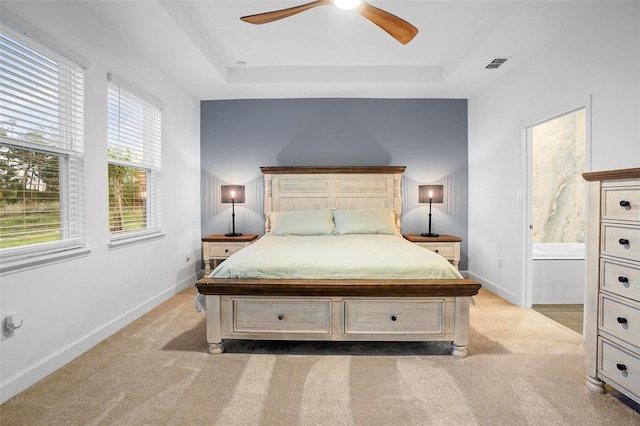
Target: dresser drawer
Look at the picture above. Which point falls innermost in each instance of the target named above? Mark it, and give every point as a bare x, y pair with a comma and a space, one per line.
621, 241
281, 316
222, 250
619, 365
620, 278
443, 249
621, 203
620, 319
394, 316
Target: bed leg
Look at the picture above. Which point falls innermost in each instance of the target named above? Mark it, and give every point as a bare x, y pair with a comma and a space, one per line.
214, 333
215, 348
458, 351
461, 324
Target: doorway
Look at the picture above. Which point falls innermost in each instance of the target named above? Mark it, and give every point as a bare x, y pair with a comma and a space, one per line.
555, 269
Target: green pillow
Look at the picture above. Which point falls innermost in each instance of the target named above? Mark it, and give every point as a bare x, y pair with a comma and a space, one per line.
365, 222
306, 222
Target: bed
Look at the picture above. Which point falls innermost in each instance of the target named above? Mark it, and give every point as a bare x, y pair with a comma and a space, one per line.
333, 265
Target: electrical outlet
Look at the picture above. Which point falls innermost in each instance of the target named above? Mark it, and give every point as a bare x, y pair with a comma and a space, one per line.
188, 256
500, 263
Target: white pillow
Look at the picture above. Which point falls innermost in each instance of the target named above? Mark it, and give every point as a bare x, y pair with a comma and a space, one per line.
306, 222
365, 222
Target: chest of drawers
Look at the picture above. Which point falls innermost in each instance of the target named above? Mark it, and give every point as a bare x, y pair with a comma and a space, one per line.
612, 309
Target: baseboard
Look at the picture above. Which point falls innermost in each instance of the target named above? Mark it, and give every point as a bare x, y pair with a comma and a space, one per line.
38, 371
494, 288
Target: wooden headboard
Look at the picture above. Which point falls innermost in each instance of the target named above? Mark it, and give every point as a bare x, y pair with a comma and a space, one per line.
309, 188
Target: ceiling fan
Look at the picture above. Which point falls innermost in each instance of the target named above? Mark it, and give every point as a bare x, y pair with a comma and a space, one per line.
398, 28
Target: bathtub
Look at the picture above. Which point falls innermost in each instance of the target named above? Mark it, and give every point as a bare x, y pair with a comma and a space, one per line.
558, 273
550, 251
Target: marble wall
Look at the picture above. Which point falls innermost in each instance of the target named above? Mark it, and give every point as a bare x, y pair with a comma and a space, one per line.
558, 187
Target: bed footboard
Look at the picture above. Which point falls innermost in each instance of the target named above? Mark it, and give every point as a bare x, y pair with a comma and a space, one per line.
357, 310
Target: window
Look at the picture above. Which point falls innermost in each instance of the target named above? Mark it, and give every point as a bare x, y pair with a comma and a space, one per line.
134, 164
41, 149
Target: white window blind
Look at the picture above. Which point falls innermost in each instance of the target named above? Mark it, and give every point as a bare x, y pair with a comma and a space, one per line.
41, 149
134, 150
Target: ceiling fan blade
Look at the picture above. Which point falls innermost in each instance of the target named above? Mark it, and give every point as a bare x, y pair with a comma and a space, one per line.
397, 28
263, 18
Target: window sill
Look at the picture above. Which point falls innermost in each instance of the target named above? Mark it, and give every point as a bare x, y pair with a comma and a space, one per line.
37, 260
127, 241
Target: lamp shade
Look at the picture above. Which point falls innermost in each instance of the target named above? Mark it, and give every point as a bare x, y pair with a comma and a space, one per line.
231, 193
433, 193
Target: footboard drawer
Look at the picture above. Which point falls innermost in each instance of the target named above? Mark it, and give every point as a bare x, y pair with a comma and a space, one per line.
395, 317
281, 316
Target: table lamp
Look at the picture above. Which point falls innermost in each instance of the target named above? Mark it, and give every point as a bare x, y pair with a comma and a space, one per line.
232, 194
430, 194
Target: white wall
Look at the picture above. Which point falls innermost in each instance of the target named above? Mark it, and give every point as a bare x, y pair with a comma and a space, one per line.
70, 306
597, 57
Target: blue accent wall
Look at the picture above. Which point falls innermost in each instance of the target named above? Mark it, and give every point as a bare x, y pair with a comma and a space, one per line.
428, 136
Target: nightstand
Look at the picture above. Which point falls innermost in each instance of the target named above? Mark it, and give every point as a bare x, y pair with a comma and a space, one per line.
446, 246
218, 247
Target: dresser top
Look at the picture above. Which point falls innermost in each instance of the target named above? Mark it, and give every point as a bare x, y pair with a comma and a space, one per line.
618, 174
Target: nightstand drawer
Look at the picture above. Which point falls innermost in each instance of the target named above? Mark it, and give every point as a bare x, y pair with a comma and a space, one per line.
621, 241
443, 249
621, 203
281, 316
620, 278
218, 247
396, 317
619, 365
221, 250
621, 319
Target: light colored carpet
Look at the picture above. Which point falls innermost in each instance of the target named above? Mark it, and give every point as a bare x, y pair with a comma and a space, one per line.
522, 369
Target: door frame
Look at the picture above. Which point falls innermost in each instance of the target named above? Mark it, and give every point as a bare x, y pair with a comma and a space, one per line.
527, 170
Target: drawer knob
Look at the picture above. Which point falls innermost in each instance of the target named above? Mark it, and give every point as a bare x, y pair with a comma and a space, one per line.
437, 251
622, 320
280, 317
623, 279
621, 367
393, 318
624, 203
226, 250
623, 241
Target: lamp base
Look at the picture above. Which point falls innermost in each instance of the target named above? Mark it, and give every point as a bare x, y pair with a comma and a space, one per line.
233, 234
430, 234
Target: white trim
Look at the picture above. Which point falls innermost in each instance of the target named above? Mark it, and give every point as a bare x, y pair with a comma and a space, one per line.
36, 372
29, 32
527, 236
494, 288
125, 240
39, 259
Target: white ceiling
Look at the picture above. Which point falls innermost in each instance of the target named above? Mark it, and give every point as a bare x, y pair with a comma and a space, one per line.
326, 52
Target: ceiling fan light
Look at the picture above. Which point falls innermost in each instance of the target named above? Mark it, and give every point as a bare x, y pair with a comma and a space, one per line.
347, 4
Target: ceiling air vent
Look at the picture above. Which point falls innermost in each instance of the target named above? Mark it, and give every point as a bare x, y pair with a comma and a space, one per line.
496, 63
